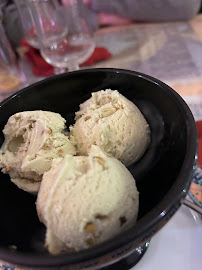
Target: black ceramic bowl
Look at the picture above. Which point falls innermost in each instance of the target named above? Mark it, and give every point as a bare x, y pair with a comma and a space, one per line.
163, 174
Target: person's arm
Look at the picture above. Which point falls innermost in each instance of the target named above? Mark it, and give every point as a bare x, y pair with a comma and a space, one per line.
148, 10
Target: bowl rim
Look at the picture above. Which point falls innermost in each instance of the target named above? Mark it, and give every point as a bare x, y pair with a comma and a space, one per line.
140, 233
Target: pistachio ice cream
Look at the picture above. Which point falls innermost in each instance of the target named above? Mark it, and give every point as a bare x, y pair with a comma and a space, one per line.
85, 200
32, 140
114, 123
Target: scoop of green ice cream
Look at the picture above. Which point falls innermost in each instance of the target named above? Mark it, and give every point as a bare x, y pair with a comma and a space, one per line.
32, 140
114, 123
85, 200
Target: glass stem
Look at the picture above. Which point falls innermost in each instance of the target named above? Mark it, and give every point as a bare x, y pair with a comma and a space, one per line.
58, 70
72, 67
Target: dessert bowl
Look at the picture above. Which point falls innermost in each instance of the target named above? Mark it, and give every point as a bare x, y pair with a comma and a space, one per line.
163, 175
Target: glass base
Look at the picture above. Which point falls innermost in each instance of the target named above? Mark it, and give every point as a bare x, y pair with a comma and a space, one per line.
58, 70
130, 261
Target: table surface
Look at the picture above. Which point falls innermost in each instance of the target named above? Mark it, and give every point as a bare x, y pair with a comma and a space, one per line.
171, 52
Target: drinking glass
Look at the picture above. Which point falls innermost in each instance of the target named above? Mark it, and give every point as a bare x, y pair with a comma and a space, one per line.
27, 23
64, 38
12, 77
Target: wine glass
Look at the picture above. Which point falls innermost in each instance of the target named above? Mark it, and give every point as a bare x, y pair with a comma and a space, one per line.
64, 38
12, 77
27, 22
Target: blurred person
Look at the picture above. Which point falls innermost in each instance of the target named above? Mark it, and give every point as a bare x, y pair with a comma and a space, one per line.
116, 12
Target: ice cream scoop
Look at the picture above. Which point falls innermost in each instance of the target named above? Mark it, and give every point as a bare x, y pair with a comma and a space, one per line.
114, 123
85, 200
32, 140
